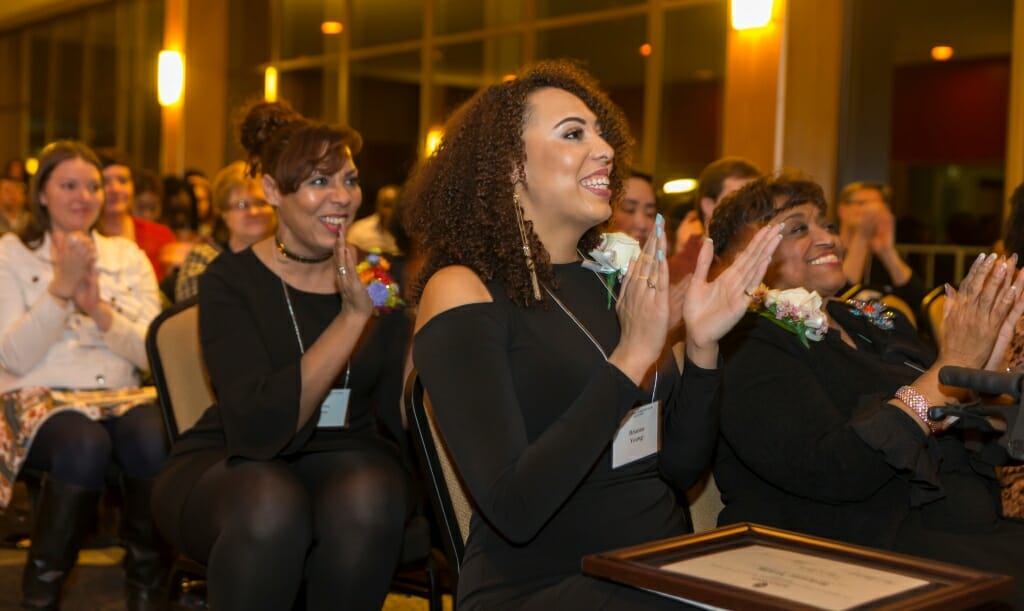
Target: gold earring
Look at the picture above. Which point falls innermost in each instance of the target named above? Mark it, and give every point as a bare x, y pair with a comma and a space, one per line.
526, 246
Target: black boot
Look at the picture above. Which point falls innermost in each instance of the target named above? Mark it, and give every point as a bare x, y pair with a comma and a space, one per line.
64, 513
147, 557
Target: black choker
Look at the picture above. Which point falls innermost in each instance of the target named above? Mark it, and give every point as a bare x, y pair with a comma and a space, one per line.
300, 258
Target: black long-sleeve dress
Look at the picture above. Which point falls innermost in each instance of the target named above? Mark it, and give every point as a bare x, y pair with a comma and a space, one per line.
253, 358
529, 407
809, 443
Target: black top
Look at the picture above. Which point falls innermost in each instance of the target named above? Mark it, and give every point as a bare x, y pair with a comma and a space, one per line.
810, 443
253, 358
529, 407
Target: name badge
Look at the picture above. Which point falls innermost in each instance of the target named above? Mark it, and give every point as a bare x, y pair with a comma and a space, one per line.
638, 437
334, 410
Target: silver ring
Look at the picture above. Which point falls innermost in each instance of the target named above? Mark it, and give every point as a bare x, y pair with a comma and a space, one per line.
748, 293
651, 285
341, 270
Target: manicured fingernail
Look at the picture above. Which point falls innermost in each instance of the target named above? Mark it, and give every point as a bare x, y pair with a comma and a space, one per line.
658, 227
659, 220
981, 256
782, 225
992, 257
661, 255
1013, 259
709, 240
949, 290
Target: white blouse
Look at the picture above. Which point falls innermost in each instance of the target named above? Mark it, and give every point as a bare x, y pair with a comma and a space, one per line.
45, 342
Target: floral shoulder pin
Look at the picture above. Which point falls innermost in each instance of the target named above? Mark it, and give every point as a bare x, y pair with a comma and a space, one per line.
796, 310
611, 259
383, 290
874, 311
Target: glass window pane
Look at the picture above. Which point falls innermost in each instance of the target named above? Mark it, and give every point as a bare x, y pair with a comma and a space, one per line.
555, 8
692, 81
459, 70
384, 105
377, 22
301, 21
934, 130
311, 91
616, 61
451, 16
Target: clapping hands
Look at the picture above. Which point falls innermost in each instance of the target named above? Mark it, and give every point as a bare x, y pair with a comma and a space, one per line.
711, 309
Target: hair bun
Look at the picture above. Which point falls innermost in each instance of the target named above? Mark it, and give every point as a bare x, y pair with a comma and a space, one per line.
260, 121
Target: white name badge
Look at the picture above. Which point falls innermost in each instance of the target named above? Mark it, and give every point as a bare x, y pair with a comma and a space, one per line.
638, 437
334, 411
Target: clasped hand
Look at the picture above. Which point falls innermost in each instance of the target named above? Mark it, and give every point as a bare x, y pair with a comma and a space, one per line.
354, 298
979, 317
74, 269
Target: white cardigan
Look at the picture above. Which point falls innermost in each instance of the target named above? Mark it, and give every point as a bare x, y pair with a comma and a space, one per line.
45, 342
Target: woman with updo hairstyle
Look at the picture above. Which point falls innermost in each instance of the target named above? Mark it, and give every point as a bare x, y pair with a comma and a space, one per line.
285, 481
74, 310
533, 364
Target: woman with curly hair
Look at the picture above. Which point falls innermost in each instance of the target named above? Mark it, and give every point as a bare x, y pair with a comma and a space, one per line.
286, 481
529, 368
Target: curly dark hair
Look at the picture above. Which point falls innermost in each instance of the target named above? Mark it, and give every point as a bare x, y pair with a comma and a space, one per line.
289, 147
758, 201
460, 200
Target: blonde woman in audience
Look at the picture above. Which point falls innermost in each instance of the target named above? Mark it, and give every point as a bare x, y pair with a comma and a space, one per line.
74, 310
243, 218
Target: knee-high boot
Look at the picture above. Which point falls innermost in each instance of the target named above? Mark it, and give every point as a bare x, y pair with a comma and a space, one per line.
64, 513
147, 558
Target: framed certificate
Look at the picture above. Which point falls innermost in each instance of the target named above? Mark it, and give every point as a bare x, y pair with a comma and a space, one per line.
746, 566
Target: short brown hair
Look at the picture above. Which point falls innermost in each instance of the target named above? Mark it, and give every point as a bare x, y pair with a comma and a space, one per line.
846, 195
712, 178
760, 200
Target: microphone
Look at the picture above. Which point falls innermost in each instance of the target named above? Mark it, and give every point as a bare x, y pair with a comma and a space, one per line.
990, 382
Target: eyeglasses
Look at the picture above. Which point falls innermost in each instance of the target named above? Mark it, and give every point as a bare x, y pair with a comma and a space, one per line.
248, 204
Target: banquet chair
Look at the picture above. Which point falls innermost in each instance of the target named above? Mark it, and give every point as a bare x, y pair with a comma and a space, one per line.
183, 391
931, 306
705, 503
448, 497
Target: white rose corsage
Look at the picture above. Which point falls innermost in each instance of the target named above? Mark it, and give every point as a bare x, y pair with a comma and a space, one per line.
611, 259
796, 310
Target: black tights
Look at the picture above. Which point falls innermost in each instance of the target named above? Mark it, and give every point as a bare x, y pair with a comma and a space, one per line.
75, 450
333, 519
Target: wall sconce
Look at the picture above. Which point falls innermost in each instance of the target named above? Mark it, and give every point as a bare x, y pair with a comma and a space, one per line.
749, 14
170, 77
679, 185
942, 53
270, 84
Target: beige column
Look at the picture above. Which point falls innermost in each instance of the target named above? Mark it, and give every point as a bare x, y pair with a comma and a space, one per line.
194, 131
1014, 172
782, 90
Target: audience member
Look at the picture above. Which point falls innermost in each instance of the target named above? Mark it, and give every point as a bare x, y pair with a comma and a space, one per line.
117, 219
74, 310
372, 233
15, 169
244, 218
513, 335
149, 196
285, 479
199, 186
868, 231
720, 178
13, 213
634, 213
824, 425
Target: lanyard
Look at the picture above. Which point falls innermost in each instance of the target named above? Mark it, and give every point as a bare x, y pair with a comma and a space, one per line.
298, 336
591, 337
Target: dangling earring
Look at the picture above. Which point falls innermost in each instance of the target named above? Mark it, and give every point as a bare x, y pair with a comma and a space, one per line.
526, 246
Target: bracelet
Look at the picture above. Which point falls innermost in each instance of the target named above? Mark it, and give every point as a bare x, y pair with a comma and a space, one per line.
916, 401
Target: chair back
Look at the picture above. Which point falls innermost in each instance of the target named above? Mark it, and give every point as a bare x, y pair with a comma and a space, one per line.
447, 493
179, 371
705, 504
932, 306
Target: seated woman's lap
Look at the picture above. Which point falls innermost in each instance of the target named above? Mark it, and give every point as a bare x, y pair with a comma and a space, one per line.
326, 495
75, 450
